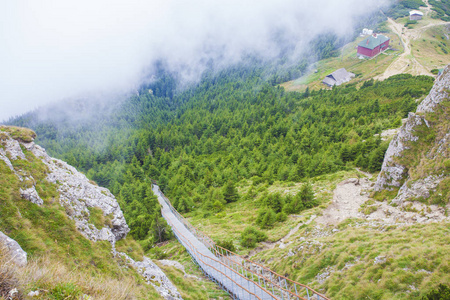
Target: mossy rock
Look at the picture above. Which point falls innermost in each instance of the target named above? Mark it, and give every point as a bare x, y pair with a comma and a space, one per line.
19, 133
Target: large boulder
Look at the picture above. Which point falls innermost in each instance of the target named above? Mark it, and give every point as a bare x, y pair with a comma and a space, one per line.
18, 256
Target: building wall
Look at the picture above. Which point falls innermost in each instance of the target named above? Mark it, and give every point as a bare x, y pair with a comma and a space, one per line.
364, 51
415, 17
375, 51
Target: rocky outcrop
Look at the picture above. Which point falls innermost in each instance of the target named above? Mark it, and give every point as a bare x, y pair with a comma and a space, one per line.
154, 276
418, 189
394, 175
31, 195
18, 256
77, 194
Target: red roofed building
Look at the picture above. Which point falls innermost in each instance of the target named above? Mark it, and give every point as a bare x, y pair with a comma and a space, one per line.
373, 45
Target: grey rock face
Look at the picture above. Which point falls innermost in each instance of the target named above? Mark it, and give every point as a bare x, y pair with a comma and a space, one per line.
417, 189
13, 148
393, 174
154, 276
6, 159
31, 195
77, 195
18, 256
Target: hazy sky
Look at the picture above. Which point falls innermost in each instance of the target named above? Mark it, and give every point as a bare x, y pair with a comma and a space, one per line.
51, 50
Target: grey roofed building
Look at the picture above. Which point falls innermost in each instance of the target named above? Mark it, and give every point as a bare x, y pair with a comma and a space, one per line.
415, 15
338, 77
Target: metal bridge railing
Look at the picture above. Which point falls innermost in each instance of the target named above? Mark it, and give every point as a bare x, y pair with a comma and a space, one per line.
207, 263
279, 286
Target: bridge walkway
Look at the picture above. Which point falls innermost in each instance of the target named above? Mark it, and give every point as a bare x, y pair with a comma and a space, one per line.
241, 278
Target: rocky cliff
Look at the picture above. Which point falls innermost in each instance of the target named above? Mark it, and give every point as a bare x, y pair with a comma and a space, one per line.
417, 160
77, 194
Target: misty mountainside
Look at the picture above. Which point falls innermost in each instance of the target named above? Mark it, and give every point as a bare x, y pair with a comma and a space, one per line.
236, 143
227, 129
64, 237
345, 189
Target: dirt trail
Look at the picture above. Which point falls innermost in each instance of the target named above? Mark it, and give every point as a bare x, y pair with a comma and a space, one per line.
350, 194
428, 8
348, 197
406, 63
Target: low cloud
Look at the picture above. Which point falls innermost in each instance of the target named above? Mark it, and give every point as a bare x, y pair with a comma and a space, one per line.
64, 49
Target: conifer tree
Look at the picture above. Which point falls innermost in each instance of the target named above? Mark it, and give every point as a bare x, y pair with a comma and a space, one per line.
230, 193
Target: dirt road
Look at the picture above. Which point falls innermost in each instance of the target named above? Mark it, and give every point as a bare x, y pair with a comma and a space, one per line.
406, 63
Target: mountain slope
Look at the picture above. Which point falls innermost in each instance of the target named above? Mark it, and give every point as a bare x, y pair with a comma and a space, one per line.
417, 162
67, 226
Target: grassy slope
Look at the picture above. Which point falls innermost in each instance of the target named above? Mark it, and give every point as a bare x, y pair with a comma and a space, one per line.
59, 255
427, 46
231, 222
364, 69
417, 256
412, 259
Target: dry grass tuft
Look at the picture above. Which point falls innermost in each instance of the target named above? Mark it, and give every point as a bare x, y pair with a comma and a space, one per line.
8, 280
54, 280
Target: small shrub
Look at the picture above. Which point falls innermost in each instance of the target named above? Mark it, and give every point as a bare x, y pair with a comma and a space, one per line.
217, 206
65, 291
441, 293
227, 244
281, 217
251, 236
158, 253
266, 218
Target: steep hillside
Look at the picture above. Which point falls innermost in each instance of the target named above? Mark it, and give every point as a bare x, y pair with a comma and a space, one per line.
61, 236
417, 162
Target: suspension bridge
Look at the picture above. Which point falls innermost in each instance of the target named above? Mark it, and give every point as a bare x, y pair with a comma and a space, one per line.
242, 278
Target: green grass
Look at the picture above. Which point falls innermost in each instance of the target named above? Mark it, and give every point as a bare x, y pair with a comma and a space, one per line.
432, 45
416, 257
231, 222
96, 217
364, 69
51, 239
130, 247
19, 133
410, 252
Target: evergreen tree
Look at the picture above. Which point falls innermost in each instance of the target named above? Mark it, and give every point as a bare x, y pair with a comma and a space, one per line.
229, 192
159, 229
